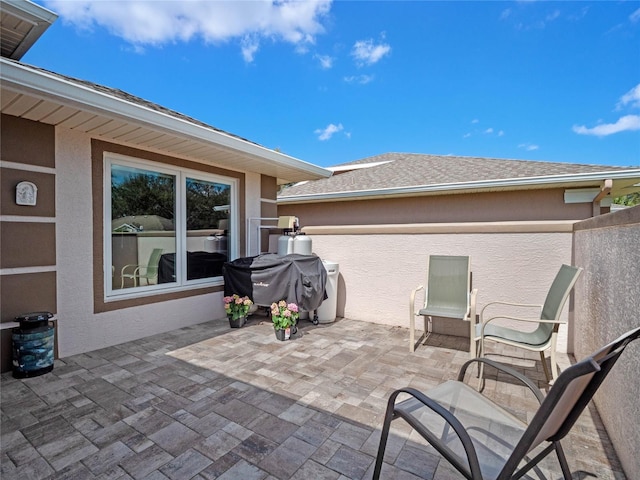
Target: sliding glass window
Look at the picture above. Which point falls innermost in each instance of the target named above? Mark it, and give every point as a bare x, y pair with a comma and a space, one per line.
165, 228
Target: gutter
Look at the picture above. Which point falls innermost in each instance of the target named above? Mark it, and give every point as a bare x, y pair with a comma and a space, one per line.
22, 79
35, 15
462, 186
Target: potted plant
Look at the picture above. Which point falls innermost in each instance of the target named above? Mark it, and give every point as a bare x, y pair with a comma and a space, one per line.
237, 308
284, 316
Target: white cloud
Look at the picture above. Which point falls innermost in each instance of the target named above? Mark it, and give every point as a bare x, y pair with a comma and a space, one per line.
552, 16
327, 132
626, 123
361, 79
366, 52
475, 120
249, 47
488, 131
466, 135
529, 147
326, 62
631, 98
501, 133
635, 16
143, 22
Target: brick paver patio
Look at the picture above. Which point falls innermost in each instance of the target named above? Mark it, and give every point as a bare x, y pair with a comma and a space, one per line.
209, 402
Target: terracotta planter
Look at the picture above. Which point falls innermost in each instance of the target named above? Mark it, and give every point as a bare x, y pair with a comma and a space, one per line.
237, 323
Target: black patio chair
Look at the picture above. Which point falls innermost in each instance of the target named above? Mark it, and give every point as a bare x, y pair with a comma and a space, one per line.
483, 440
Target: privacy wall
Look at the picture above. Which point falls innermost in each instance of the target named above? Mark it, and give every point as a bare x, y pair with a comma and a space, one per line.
607, 306
381, 264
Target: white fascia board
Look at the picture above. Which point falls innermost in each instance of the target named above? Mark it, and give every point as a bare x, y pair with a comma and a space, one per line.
38, 17
29, 12
359, 166
21, 78
453, 187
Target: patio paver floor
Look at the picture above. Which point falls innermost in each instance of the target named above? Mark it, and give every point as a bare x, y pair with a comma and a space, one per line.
208, 402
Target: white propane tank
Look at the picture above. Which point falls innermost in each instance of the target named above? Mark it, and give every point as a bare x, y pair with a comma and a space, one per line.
210, 244
302, 244
285, 245
217, 243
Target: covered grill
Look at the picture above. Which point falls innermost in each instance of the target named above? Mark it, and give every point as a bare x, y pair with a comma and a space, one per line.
268, 278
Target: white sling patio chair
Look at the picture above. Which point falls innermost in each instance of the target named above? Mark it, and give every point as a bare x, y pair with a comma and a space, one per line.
545, 334
447, 294
137, 272
481, 439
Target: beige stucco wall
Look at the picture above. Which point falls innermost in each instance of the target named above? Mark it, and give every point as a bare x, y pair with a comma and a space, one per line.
609, 247
521, 205
80, 329
381, 264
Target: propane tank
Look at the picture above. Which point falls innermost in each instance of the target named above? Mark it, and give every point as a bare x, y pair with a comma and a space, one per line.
302, 244
210, 244
217, 243
285, 244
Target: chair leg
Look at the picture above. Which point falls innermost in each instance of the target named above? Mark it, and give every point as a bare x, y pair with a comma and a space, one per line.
544, 366
472, 339
384, 436
412, 332
554, 364
480, 353
566, 471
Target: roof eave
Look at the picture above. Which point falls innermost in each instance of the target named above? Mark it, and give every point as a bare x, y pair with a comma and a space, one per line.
567, 180
20, 78
39, 17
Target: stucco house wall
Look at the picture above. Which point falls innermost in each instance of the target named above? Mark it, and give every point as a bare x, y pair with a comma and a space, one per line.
52, 252
521, 205
608, 306
81, 328
379, 265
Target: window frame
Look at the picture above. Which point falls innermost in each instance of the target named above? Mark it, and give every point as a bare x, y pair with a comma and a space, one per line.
180, 174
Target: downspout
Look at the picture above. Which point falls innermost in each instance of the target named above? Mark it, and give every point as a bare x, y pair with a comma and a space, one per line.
605, 190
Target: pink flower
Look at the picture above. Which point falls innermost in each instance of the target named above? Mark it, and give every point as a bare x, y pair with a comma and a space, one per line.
293, 307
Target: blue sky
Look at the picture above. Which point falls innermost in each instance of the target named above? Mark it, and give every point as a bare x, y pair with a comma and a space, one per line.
332, 82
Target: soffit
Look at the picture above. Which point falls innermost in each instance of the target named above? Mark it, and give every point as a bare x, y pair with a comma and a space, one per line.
21, 24
34, 94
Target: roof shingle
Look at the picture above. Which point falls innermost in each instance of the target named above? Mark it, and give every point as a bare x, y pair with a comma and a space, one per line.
406, 170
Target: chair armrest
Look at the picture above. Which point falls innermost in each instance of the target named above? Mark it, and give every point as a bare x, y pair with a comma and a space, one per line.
521, 319
512, 304
450, 419
122, 272
472, 305
412, 299
503, 368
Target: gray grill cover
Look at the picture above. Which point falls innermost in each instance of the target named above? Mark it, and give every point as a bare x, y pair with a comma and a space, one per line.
268, 278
